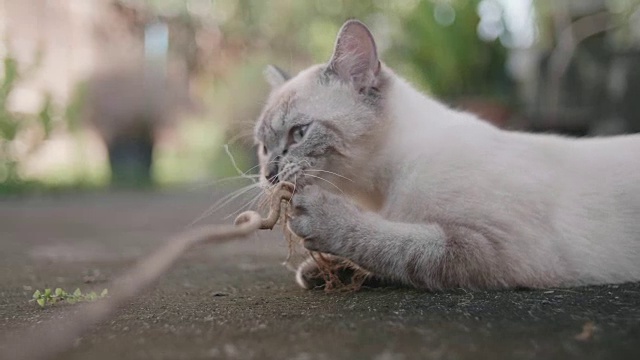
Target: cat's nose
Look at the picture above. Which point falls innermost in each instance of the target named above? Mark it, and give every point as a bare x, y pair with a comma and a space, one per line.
272, 170
272, 174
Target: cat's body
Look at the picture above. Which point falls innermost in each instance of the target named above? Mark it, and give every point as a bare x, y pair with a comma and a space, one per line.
445, 199
558, 211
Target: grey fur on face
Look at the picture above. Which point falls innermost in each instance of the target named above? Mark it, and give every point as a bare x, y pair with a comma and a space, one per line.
339, 105
334, 115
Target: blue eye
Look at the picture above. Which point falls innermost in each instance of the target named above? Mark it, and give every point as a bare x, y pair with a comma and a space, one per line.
297, 133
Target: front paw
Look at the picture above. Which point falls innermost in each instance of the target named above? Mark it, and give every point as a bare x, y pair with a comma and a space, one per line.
330, 273
322, 219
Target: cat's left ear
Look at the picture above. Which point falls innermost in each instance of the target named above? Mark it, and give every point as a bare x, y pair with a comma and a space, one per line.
355, 57
275, 76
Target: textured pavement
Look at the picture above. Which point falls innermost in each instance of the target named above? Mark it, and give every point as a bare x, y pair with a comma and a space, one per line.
236, 301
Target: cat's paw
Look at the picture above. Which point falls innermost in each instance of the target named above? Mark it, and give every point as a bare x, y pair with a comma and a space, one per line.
322, 219
309, 276
335, 270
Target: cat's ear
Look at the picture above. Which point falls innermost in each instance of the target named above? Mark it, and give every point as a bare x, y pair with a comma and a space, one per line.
355, 58
275, 76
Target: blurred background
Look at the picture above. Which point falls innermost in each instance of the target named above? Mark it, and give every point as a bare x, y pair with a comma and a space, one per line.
141, 93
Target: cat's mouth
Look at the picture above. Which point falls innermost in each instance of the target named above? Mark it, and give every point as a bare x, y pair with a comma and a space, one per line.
296, 175
303, 173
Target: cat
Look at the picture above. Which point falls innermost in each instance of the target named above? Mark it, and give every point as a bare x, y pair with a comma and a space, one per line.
420, 194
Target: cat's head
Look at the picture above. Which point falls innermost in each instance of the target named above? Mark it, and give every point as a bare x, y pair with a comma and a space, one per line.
328, 118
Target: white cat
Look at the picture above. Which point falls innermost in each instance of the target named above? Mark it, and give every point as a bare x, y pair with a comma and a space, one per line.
418, 193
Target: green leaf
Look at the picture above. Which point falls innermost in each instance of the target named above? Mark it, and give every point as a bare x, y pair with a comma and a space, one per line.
41, 302
45, 116
75, 107
58, 292
37, 294
9, 127
47, 292
71, 300
10, 74
104, 293
77, 292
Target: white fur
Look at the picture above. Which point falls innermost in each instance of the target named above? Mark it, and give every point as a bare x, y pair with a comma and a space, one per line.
568, 208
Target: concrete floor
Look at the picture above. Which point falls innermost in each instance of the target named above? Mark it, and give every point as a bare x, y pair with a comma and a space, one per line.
236, 301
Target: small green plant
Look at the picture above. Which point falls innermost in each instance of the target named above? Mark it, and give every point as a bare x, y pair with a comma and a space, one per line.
49, 297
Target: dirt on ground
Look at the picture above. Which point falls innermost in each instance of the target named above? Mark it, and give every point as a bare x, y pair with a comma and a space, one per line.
237, 301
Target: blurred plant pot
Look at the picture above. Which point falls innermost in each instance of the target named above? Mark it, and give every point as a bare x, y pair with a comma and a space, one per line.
127, 106
131, 157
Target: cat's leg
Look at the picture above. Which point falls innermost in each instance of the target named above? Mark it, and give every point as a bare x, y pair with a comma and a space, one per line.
422, 255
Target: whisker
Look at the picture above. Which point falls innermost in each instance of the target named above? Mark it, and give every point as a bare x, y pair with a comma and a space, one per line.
264, 202
244, 175
213, 182
251, 168
268, 163
323, 179
224, 201
242, 134
248, 205
234, 195
233, 162
295, 183
260, 197
233, 198
276, 176
330, 172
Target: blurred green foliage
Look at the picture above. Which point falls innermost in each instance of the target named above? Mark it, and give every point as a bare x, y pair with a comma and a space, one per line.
447, 59
20, 134
441, 55
434, 42
441, 50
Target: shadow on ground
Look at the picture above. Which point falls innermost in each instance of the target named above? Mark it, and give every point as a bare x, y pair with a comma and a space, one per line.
236, 301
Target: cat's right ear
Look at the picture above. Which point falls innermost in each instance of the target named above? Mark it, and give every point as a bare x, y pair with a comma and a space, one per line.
275, 76
355, 57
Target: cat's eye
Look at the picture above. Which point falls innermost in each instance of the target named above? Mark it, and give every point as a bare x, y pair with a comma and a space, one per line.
297, 133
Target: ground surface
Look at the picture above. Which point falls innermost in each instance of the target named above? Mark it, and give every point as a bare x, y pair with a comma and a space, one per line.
236, 301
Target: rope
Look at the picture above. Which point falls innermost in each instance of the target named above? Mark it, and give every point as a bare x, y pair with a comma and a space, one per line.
55, 335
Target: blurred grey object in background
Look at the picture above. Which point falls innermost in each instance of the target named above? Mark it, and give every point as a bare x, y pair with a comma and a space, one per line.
587, 80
